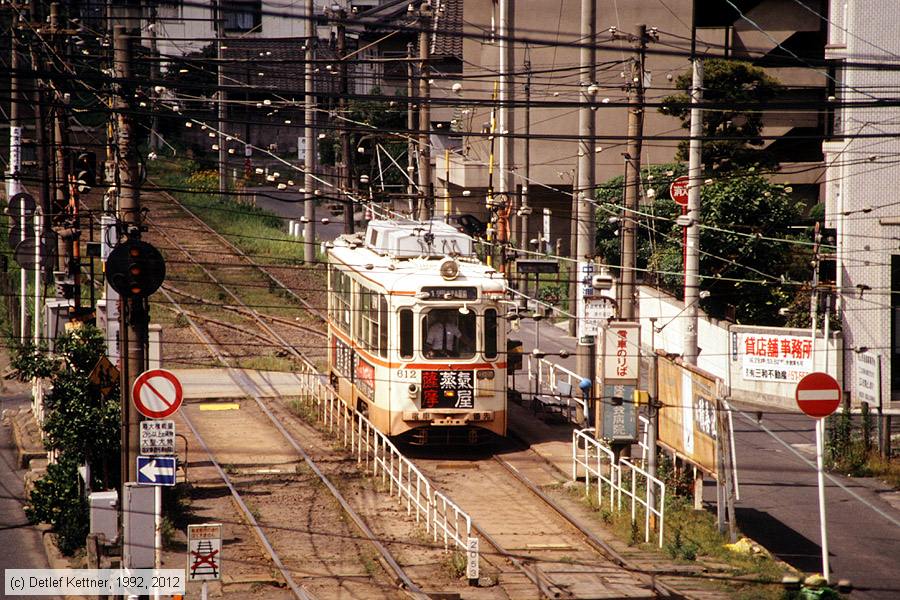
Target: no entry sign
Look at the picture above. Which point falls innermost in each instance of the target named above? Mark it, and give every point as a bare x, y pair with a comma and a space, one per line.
818, 394
157, 393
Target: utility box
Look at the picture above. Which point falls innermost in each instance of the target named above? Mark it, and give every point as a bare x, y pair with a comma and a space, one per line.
139, 527
104, 509
56, 315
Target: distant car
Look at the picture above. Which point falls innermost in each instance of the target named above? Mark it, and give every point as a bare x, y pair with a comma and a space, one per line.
469, 224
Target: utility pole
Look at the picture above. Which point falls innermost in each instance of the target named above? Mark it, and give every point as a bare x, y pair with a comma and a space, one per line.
507, 95
43, 158
13, 185
133, 313
692, 249
412, 124
346, 187
220, 83
154, 77
425, 190
61, 179
584, 214
627, 297
525, 210
309, 135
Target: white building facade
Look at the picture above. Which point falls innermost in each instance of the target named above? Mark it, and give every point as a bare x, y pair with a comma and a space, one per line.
861, 188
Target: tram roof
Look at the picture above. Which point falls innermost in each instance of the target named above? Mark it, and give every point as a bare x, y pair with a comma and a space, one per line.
406, 273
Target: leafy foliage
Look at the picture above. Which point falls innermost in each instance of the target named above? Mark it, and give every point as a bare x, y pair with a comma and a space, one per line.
81, 423
56, 499
731, 131
738, 215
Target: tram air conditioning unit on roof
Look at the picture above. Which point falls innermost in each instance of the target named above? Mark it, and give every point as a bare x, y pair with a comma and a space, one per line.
411, 239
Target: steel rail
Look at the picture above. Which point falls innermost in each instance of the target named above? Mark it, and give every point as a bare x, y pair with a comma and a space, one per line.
251, 313
239, 252
661, 589
239, 377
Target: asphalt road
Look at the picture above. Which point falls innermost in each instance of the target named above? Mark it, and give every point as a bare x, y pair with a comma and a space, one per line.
779, 506
21, 543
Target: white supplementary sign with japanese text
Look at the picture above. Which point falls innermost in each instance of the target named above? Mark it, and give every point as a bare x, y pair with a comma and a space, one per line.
204, 548
158, 437
597, 311
770, 357
868, 378
621, 351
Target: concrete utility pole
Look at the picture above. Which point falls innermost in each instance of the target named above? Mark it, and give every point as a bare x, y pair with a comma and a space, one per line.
584, 215
412, 124
60, 143
507, 94
13, 185
43, 159
133, 313
627, 298
309, 136
346, 187
692, 249
525, 209
154, 77
426, 196
220, 97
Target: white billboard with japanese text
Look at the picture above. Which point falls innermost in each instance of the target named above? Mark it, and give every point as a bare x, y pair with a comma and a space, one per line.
770, 357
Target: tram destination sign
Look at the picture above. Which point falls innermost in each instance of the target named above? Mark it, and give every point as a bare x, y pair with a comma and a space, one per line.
448, 389
450, 293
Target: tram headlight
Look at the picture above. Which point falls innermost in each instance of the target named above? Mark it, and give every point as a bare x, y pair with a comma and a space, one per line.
449, 269
413, 390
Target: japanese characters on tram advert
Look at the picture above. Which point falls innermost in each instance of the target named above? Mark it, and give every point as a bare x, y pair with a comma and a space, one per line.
417, 339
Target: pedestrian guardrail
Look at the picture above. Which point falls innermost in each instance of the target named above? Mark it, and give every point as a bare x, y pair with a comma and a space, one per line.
546, 378
617, 480
444, 519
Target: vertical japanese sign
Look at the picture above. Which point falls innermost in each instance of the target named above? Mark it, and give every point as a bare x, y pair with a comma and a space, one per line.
448, 389
342, 358
621, 352
585, 294
619, 371
868, 378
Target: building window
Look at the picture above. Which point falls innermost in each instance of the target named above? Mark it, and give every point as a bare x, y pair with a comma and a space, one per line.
242, 15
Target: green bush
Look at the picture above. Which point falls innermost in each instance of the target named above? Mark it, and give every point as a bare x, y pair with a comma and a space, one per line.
57, 499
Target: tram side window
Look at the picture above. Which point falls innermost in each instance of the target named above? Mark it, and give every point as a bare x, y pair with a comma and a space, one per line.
447, 333
340, 299
490, 333
367, 323
382, 326
406, 333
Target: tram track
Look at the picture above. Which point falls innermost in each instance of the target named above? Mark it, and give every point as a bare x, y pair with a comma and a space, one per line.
593, 564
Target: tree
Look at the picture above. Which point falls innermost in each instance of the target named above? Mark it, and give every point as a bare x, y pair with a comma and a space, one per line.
81, 423
742, 217
731, 130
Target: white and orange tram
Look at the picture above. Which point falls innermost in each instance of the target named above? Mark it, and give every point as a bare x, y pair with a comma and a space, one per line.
416, 333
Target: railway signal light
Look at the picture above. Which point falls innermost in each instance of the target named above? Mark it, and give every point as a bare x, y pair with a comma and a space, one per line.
135, 269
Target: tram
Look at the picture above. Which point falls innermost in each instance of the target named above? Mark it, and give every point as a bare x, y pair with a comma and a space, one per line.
416, 333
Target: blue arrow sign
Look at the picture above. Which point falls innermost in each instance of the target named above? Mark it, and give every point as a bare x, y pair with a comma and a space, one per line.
156, 470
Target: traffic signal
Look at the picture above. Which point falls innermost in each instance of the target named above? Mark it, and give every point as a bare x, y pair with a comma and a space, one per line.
86, 169
135, 269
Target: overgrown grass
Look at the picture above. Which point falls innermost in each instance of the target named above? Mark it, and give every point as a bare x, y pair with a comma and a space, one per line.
256, 231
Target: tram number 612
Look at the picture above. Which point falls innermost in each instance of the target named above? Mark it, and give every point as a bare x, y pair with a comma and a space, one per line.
406, 374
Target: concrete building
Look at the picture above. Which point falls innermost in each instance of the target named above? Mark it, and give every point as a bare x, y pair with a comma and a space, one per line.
861, 193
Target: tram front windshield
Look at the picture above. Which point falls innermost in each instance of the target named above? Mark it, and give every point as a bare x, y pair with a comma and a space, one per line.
447, 333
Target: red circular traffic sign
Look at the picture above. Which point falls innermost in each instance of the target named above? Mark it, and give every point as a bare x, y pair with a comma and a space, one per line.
678, 190
157, 393
818, 394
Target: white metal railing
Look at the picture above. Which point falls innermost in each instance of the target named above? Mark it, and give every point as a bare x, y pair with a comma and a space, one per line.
653, 499
598, 463
545, 377
443, 518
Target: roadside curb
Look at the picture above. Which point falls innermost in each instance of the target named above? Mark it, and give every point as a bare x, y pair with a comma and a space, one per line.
26, 436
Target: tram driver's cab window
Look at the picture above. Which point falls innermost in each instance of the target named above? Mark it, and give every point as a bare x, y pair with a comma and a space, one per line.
448, 333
